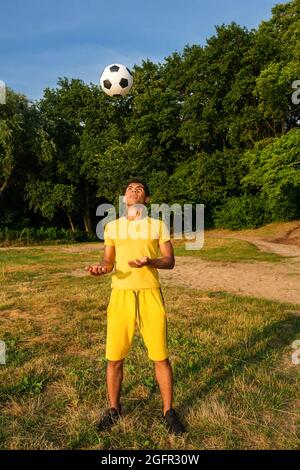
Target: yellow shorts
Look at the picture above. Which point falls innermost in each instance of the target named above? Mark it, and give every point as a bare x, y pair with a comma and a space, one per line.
142, 306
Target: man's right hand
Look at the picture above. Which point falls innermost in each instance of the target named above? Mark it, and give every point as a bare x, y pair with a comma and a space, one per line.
98, 269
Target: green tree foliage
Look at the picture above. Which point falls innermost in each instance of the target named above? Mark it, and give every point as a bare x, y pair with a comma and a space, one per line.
277, 42
213, 124
63, 111
24, 144
23, 140
245, 211
274, 172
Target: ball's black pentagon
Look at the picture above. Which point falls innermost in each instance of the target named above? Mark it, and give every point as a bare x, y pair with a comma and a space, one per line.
107, 84
128, 71
114, 68
117, 94
123, 82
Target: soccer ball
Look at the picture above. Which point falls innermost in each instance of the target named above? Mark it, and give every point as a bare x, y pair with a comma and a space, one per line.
116, 80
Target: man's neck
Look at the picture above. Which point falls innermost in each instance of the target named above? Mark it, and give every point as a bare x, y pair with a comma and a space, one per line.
133, 213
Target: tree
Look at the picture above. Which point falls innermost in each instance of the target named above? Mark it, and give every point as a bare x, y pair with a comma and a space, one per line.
212, 71
24, 143
46, 197
277, 51
274, 172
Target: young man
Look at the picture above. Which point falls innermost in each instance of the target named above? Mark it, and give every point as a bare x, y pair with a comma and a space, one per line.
136, 298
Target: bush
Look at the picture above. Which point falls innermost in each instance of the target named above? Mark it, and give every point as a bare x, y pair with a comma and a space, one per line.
27, 235
241, 212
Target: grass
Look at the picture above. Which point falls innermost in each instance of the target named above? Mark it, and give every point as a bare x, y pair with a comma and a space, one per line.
227, 250
268, 231
235, 383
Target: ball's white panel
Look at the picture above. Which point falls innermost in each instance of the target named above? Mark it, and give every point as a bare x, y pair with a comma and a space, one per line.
116, 75
124, 91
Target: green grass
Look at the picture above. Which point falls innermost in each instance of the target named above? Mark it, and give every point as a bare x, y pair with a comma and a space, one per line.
235, 384
227, 250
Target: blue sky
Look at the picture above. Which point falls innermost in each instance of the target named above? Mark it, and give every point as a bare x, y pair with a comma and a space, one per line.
41, 40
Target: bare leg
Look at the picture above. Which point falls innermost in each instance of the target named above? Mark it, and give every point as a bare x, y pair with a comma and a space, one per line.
164, 377
114, 378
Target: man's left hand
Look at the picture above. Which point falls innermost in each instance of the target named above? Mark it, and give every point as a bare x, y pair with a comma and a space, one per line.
139, 262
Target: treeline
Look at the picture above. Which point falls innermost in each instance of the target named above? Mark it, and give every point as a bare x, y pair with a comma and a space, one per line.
213, 125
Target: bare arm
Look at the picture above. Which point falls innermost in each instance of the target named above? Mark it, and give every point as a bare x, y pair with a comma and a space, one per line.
106, 265
167, 260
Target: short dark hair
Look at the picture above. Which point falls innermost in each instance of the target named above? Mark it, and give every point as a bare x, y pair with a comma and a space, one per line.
137, 180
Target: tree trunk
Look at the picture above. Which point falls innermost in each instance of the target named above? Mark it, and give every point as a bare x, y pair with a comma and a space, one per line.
88, 223
86, 215
4, 186
70, 220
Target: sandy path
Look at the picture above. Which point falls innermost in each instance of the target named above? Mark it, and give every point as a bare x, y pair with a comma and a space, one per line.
279, 248
261, 279
282, 249
274, 281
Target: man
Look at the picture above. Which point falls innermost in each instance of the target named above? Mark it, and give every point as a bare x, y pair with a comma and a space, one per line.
136, 298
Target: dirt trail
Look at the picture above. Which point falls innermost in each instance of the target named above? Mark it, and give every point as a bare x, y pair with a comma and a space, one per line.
274, 281
260, 279
285, 244
279, 248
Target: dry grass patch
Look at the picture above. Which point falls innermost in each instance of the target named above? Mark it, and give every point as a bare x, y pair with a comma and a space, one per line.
234, 385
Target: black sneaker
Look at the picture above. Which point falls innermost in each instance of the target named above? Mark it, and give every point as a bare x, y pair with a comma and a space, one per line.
173, 422
109, 419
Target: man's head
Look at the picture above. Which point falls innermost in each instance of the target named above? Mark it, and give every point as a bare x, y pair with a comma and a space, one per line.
136, 191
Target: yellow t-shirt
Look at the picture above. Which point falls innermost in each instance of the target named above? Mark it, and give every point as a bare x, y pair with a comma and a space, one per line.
133, 239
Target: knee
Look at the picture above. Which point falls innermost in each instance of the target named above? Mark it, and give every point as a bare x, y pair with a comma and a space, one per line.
115, 364
163, 363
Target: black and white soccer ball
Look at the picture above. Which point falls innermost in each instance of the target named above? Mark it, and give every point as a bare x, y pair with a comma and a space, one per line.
116, 80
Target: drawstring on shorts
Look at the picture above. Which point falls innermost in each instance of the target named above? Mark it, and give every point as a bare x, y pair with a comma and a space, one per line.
137, 309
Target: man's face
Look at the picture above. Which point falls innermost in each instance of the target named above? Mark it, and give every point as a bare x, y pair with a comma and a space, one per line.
135, 194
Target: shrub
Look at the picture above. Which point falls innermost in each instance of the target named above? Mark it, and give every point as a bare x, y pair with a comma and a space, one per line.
241, 212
